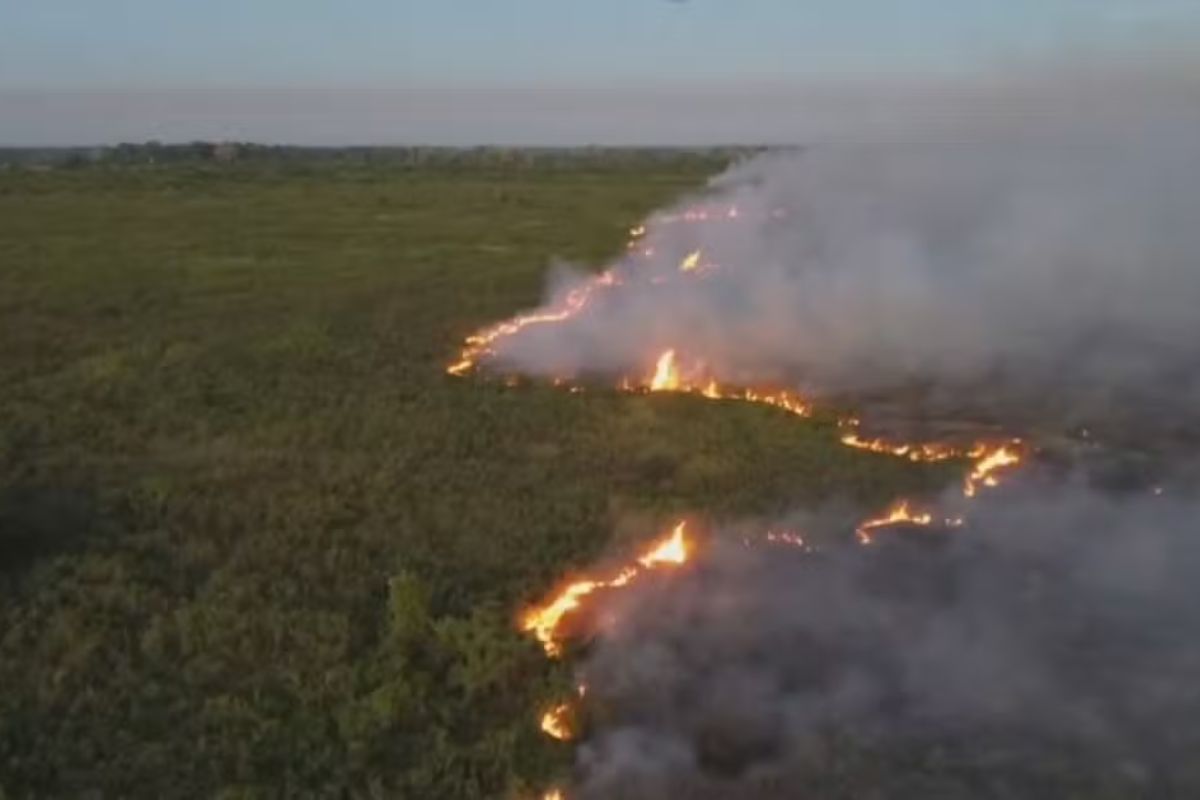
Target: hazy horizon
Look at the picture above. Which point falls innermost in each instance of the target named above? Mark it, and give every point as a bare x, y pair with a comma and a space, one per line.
627, 72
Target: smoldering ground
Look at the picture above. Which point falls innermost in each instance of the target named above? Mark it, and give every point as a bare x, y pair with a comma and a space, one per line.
1049, 649
1023, 249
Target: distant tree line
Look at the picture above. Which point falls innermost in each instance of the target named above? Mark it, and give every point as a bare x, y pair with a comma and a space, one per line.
226, 152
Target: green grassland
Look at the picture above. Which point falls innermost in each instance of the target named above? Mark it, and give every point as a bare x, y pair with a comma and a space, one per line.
254, 541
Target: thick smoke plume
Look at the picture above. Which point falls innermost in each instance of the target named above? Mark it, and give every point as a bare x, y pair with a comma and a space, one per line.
1025, 250
1049, 650
1035, 243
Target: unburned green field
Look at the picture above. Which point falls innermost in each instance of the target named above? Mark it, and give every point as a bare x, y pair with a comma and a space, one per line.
255, 542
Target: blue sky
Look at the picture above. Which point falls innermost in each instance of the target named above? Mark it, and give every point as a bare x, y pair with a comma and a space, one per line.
181, 46
131, 43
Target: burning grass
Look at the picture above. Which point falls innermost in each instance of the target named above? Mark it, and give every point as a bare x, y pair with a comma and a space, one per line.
309, 543
302, 544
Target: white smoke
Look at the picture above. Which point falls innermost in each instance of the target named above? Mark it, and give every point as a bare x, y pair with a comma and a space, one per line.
1026, 247
1039, 241
1051, 647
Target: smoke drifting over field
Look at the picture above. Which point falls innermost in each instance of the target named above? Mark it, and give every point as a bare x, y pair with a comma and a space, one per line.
1042, 269
1057, 635
1041, 257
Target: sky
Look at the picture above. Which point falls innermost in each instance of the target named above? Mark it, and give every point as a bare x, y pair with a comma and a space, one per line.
508, 71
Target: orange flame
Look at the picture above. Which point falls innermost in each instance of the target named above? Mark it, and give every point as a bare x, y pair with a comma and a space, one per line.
666, 374
556, 723
672, 551
909, 450
899, 514
668, 377
989, 461
989, 458
480, 344
543, 621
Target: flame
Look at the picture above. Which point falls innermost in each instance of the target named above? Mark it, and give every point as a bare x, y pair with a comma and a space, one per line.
786, 400
672, 374
669, 374
899, 514
556, 723
668, 377
480, 344
989, 461
543, 621
909, 450
554, 794
988, 458
576, 300
672, 551
666, 374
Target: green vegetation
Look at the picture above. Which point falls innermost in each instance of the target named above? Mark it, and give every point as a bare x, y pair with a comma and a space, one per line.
254, 541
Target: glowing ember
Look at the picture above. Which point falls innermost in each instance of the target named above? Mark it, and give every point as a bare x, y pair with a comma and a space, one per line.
690, 263
553, 794
788, 538
697, 214
543, 621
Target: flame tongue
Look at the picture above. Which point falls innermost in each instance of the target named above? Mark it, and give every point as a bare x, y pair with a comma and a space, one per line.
480, 344
909, 450
556, 723
543, 621
672, 551
899, 514
666, 374
989, 462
